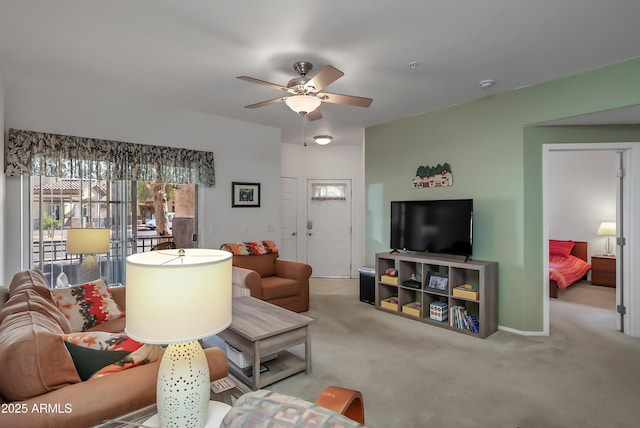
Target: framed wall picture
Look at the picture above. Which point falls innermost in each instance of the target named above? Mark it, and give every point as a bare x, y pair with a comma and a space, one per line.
245, 194
438, 281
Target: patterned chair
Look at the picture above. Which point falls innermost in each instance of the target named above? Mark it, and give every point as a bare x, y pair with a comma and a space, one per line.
256, 268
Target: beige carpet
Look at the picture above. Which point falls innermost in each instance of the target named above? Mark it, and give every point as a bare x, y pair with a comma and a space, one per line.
585, 374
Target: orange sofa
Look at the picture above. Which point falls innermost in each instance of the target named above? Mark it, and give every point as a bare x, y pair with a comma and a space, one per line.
40, 384
256, 267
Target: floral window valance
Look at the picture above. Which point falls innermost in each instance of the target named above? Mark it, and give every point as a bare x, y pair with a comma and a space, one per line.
65, 156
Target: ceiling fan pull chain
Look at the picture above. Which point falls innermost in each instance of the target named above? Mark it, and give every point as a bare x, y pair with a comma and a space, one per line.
304, 128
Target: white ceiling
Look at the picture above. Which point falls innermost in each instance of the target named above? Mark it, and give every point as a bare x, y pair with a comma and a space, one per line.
188, 53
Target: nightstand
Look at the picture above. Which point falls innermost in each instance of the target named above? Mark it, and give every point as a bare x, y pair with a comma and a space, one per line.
603, 270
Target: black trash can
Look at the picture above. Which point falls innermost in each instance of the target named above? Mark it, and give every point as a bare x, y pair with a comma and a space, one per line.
367, 285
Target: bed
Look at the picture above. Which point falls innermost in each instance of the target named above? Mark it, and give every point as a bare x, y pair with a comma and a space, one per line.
567, 264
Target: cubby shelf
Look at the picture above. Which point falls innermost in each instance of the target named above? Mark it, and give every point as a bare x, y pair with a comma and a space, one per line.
447, 272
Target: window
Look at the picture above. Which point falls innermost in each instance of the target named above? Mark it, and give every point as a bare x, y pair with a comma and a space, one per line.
86, 182
59, 204
328, 192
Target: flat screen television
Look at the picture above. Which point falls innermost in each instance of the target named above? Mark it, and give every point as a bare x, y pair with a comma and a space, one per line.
437, 226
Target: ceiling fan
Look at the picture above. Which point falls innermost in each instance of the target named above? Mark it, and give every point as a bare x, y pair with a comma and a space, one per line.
304, 94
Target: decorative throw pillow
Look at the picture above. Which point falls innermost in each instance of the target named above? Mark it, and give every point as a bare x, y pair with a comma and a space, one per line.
87, 305
250, 248
560, 248
89, 361
96, 354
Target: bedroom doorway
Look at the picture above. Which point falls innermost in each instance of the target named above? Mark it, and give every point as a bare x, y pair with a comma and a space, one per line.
615, 157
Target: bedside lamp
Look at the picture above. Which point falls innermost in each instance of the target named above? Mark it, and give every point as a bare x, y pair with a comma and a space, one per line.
88, 242
607, 228
176, 297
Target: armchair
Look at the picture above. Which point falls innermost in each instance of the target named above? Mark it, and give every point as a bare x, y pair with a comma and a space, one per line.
256, 268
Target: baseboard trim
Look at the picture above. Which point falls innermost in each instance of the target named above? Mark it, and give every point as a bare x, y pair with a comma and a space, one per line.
521, 332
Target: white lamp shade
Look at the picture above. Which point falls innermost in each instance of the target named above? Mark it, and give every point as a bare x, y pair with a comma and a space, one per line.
303, 103
87, 241
607, 228
177, 298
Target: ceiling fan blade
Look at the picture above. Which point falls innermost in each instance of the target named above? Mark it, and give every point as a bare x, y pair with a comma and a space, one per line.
262, 82
345, 99
325, 77
266, 103
314, 115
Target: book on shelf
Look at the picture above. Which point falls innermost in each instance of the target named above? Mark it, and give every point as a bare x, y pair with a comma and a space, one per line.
463, 319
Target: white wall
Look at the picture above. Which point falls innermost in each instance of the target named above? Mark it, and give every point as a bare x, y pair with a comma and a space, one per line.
328, 162
3, 276
243, 152
582, 193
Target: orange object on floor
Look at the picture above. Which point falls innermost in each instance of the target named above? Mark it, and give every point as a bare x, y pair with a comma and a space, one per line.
342, 400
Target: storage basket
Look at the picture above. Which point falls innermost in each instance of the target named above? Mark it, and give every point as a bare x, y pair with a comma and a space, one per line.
466, 292
391, 303
244, 360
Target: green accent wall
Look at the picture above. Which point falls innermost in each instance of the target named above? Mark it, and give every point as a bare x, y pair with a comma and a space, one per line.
495, 151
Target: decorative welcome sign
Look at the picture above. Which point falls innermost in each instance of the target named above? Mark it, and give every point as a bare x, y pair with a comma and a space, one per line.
433, 176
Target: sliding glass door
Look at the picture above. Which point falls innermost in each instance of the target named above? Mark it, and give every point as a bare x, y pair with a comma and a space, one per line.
123, 221
60, 204
123, 207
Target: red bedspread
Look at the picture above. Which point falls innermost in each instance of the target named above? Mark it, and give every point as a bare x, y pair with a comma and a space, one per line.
567, 270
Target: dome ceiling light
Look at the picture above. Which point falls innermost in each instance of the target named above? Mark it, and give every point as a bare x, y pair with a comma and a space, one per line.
323, 140
486, 84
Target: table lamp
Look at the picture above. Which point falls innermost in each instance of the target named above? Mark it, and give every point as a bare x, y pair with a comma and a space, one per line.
88, 242
607, 228
176, 297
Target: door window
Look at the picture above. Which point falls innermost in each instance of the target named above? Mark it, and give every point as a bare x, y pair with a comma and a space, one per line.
328, 191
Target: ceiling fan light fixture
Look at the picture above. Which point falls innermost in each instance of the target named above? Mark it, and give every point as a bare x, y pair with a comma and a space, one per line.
323, 139
303, 103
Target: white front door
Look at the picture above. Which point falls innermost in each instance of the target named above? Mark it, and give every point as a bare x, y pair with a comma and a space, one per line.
329, 227
288, 247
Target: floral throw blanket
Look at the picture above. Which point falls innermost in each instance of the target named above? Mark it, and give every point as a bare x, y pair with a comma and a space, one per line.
250, 248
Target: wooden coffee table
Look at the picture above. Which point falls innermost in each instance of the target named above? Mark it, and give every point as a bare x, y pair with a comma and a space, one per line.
259, 328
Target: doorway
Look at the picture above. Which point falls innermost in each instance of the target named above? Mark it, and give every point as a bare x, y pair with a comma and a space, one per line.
328, 228
627, 156
582, 195
288, 247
